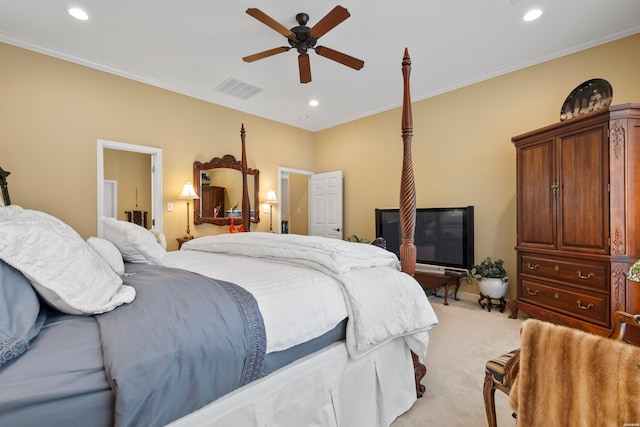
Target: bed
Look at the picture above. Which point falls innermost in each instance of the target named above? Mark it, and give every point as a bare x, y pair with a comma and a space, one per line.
236, 329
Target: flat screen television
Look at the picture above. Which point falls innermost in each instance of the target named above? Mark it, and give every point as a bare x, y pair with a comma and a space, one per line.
443, 236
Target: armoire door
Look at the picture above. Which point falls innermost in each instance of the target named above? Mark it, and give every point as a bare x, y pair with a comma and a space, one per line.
583, 195
536, 195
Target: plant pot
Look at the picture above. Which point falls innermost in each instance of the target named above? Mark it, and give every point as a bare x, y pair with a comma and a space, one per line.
493, 288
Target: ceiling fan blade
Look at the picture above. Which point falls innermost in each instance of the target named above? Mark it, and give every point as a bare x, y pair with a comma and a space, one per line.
305, 68
340, 57
329, 22
270, 22
265, 54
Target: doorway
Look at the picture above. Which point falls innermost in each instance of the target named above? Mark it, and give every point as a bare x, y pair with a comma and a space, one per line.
310, 203
155, 159
293, 204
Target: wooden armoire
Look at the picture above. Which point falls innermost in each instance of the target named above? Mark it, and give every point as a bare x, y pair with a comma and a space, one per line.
212, 197
578, 207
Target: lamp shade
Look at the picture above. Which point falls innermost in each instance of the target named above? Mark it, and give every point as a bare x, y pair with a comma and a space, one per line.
271, 197
188, 192
634, 272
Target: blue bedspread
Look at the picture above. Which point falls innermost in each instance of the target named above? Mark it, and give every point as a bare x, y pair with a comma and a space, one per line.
185, 341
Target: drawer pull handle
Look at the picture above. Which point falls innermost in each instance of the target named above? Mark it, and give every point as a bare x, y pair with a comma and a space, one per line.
533, 267
588, 276
535, 292
556, 296
590, 305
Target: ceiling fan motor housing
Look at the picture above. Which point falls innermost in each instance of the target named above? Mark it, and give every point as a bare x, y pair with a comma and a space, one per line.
302, 41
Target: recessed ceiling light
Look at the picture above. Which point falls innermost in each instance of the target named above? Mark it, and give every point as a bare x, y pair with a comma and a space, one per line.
532, 15
78, 13
314, 103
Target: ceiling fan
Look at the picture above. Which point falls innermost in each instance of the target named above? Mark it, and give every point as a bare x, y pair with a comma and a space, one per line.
303, 38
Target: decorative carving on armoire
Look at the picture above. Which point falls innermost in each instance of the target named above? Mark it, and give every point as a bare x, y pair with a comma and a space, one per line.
618, 246
617, 138
619, 278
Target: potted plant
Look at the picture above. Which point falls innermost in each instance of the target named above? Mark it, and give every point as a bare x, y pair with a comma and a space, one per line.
357, 239
492, 278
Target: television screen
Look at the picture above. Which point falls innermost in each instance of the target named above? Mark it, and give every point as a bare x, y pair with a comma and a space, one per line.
443, 236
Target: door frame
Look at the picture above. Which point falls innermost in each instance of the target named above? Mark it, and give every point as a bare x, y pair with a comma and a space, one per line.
156, 177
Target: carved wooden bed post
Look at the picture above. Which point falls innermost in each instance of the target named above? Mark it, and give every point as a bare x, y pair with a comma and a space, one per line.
407, 185
246, 209
408, 201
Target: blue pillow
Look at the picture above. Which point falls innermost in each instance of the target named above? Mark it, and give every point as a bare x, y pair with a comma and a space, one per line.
20, 314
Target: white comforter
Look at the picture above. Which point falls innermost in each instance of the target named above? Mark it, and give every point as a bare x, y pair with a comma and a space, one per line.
296, 304
381, 301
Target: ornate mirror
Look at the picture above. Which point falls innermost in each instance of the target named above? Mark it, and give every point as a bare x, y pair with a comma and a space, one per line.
218, 182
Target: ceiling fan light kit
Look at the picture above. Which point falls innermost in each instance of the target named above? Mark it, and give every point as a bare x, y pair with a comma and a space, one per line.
303, 38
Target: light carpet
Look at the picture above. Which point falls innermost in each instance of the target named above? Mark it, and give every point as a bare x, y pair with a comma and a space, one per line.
466, 338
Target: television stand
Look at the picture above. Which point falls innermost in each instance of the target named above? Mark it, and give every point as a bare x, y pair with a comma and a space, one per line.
434, 280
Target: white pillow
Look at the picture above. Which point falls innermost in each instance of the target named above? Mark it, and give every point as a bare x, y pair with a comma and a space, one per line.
9, 211
160, 237
60, 265
109, 252
136, 243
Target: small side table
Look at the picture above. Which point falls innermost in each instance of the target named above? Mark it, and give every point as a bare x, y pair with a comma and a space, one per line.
181, 241
434, 280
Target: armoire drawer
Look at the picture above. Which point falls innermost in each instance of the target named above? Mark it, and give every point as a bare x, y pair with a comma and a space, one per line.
588, 306
576, 271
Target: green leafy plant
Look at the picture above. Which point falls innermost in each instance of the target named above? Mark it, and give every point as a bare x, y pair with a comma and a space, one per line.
356, 239
489, 269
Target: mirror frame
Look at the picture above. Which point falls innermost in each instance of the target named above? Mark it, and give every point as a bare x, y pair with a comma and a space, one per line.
4, 188
228, 161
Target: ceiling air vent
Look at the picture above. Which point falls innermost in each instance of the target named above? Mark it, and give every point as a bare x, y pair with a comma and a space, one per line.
237, 88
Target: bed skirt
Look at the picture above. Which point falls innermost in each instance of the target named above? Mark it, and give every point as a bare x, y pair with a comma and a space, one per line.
324, 389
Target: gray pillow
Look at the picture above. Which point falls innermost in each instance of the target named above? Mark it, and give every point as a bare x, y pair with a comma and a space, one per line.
20, 314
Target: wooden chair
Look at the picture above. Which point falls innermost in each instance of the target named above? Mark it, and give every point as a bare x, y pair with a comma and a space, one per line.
621, 320
502, 371
137, 217
499, 374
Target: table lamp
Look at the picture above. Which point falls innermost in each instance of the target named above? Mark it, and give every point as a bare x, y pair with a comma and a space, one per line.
188, 193
271, 199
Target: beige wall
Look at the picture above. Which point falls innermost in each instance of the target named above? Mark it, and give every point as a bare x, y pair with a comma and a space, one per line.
462, 150
52, 112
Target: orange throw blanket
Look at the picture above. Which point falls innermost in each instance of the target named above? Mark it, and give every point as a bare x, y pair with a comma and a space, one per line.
571, 378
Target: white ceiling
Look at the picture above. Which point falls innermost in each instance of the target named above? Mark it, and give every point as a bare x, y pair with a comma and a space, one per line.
192, 46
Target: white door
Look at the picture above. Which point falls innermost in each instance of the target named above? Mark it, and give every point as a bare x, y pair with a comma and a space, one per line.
325, 198
110, 204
